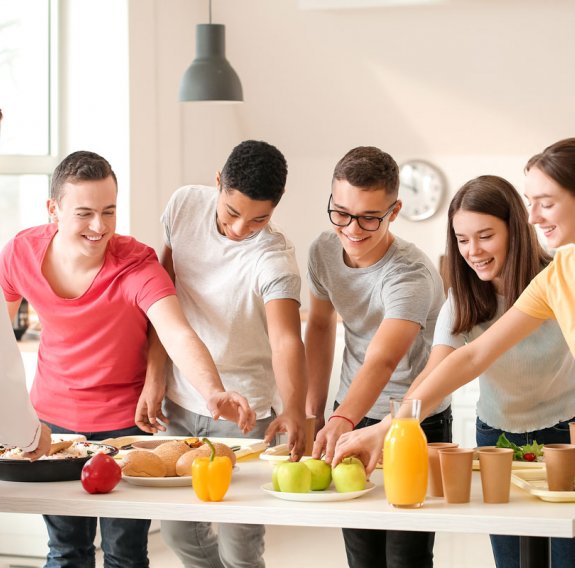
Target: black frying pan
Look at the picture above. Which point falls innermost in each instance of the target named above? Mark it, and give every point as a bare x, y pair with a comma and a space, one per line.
46, 469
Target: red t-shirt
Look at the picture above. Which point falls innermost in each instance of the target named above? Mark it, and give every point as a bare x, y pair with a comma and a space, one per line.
92, 354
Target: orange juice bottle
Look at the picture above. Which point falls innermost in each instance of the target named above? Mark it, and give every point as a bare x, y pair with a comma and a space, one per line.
405, 460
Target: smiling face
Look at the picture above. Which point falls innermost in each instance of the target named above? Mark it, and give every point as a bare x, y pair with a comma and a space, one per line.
363, 248
483, 243
551, 208
238, 217
86, 216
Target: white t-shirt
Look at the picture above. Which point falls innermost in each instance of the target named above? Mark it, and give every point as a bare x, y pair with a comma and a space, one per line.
223, 286
19, 425
528, 388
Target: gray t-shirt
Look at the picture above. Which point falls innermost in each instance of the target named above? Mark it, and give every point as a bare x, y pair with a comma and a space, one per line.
402, 285
528, 388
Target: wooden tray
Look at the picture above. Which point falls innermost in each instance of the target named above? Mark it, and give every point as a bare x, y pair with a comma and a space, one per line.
534, 481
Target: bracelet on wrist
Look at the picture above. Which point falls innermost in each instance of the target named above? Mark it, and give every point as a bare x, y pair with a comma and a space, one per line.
343, 418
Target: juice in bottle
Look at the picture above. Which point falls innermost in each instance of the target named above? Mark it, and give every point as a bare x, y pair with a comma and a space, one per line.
405, 460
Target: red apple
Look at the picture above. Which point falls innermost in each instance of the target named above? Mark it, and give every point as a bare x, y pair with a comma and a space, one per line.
100, 474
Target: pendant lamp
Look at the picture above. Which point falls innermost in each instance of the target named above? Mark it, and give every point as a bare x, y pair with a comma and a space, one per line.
210, 77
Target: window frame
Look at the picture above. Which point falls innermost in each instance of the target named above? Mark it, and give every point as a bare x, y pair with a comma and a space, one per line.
44, 164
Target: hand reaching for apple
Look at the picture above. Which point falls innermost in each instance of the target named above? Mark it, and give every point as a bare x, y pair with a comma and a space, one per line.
365, 444
326, 439
294, 427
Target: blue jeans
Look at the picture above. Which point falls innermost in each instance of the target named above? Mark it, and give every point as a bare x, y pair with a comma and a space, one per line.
196, 543
71, 539
367, 548
506, 548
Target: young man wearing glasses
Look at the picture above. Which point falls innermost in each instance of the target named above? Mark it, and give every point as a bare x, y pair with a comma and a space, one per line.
388, 294
237, 279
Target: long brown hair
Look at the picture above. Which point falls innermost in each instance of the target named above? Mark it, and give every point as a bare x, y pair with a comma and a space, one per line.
475, 299
558, 162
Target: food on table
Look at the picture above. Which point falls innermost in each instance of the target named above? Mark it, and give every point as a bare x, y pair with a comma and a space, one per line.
320, 474
60, 450
185, 461
172, 458
349, 475
144, 463
292, 477
100, 474
170, 453
529, 452
316, 475
56, 447
211, 476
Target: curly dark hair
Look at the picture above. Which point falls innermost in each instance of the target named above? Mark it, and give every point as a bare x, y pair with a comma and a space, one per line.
256, 169
79, 166
368, 167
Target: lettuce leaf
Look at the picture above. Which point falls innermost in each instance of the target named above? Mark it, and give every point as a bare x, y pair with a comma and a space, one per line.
520, 451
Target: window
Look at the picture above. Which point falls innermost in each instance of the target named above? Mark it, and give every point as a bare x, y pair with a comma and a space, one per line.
28, 132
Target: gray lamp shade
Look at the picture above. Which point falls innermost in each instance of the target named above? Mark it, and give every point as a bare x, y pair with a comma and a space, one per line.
210, 77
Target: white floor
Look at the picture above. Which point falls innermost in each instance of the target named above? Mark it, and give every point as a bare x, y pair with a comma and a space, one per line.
288, 547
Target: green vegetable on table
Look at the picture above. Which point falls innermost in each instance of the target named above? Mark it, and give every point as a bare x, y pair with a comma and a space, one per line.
528, 452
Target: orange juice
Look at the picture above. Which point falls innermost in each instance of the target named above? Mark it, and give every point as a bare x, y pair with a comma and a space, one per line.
405, 463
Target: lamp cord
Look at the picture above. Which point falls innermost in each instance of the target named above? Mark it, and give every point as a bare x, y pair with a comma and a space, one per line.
210, 11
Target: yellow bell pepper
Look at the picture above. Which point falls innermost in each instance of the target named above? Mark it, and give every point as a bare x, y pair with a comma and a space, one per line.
211, 476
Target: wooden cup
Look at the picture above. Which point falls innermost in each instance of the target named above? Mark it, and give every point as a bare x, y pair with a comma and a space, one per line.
456, 467
560, 466
435, 485
495, 468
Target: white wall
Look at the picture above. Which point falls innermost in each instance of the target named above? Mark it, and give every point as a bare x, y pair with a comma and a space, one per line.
476, 87
94, 98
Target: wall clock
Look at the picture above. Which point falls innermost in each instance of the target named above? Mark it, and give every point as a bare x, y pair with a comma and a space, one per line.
422, 188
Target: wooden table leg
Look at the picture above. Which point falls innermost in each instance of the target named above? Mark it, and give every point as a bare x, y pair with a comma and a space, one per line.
535, 552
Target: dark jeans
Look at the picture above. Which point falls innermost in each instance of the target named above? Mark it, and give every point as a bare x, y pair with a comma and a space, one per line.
71, 539
366, 548
506, 548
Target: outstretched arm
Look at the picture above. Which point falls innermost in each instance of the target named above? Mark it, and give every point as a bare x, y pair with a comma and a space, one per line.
470, 361
319, 351
367, 443
288, 360
454, 371
393, 339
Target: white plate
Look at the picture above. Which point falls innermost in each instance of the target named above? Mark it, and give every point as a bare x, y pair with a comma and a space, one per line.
327, 495
183, 481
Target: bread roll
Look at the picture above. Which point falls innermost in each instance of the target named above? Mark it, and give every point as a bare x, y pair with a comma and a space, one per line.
184, 463
143, 463
169, 454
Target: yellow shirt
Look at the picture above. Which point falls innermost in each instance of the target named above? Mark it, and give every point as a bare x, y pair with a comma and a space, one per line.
551, 294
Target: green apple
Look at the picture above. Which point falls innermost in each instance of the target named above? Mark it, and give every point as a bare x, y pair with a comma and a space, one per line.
293, 477
349, 475
320, 474
275, 483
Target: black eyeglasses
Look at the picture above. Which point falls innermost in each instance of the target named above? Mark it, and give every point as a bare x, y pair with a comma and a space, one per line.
366, 222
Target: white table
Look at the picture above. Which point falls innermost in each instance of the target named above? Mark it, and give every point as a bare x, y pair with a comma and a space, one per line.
247, 503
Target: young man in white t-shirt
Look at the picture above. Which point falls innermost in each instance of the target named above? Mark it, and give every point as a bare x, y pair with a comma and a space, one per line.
237, 280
